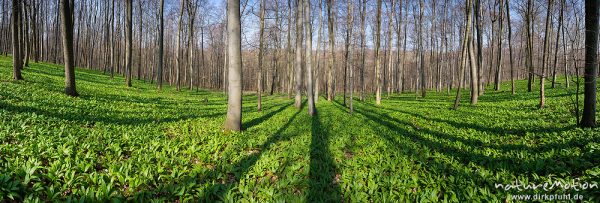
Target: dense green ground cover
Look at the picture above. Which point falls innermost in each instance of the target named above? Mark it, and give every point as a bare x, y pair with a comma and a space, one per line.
138, 143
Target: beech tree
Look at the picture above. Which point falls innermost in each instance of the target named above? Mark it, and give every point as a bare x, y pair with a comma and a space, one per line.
128, 42
66, 17
17, 63
592, 9
233, 121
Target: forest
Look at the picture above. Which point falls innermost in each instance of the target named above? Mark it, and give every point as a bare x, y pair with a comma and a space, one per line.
299, 101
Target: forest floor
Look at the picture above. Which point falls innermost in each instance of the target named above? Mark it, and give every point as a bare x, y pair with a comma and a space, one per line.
114, 142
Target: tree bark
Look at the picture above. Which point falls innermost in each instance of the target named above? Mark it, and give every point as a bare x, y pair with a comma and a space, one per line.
260, 56
128, 42
17, 63
308, 58
377, 61
545, 55
233, 121
591, 64
161, 31
298, 65
512, 70
331, 18
66, 12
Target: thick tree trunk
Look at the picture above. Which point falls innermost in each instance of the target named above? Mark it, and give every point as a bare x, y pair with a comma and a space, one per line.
66, 13
309, 58
234, 50
376, 58
591, 63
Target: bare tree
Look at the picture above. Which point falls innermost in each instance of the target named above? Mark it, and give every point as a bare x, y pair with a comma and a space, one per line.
233, 121
178, 50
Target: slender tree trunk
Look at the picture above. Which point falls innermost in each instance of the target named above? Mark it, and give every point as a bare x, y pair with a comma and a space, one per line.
141, 38
289, 51
591, 64
178, 50
512, 70
467, 35
298, 65
17, 64
331, 17
421, 57
499, 61
317, 58
233, 121
161, 31
560, 19
128, 42
349, 62
377, 61
260, 56
529, 61
545, 55
363, 37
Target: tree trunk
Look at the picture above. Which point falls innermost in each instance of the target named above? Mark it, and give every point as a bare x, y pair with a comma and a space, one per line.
308, 58
467, 35
591, 64
260, 56
363, 37
17, 63
234, 50
377, 61
128, 42
298, 65
349, 62
499, 61
560, 19
331, 17
66, 13
420, 52
161, 31
529, 61
545, 55
512, 70
178, 50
